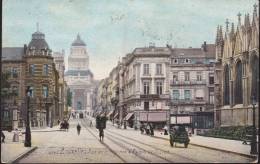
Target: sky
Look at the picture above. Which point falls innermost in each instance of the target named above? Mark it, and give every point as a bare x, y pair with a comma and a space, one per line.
113, 28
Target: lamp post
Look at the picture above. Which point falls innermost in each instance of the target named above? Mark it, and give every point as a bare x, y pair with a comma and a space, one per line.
27, 142
253, 142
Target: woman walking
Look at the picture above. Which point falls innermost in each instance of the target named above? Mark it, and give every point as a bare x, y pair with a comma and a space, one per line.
78, 128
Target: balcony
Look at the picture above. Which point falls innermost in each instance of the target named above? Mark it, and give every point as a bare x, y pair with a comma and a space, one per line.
181, 101
193, 82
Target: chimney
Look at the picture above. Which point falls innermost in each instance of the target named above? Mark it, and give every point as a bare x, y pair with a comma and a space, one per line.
204, 46
24, 48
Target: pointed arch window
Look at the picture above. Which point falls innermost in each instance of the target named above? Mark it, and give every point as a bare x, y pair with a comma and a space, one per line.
238, 84
255, 77
226, 85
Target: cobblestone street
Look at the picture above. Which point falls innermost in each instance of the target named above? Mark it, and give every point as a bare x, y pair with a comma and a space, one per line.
119, 145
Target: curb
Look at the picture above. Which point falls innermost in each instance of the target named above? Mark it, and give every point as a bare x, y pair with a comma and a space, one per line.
23, 155
217, 149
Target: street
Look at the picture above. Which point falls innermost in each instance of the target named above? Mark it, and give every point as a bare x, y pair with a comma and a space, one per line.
119, 145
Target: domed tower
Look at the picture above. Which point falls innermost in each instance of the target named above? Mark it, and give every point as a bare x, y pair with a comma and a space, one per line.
79, 77
40, 78
78, 58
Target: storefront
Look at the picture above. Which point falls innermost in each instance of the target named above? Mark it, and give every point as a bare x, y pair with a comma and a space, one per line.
157, 118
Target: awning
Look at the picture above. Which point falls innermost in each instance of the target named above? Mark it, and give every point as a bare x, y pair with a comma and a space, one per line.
128, 116
153, 116
115, 116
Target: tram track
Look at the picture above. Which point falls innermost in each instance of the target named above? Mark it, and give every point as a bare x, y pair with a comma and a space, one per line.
156, 148
124, 144
111, 150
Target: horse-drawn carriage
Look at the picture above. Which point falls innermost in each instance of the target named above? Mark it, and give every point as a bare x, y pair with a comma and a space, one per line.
178, 133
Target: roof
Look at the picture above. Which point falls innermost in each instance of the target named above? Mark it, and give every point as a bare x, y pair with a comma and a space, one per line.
38, 41
196, 52
78, 42
152, 50
12, 53
80, 72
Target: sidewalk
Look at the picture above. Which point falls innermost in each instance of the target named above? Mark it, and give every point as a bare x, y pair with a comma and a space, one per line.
11, 151
232, 146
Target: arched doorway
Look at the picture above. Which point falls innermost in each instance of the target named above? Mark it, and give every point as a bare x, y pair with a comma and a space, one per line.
226, 85
238, 84
255, 76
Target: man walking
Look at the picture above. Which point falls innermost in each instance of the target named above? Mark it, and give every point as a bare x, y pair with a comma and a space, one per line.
78, 128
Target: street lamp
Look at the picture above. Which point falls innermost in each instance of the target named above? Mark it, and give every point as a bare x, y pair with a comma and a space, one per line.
27, 142
253, 142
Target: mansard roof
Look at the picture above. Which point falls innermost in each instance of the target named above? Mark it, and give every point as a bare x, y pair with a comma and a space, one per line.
79, 72
196, 52
12, 53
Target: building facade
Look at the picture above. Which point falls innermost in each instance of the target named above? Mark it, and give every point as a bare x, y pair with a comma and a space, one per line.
237, 72
32, 67
192, 85
80, 78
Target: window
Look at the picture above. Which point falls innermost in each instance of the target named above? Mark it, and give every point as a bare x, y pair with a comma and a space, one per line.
31, 92
174, 61
187, 61
146, 105
175, 76
211, 80
238, 84
31, 69
146, 88
45, 69
226, 85
158, 69
146, 69
175, 94
199, 76
45, 91
14, 73
187, 76
158, 87
187, 95
15, 91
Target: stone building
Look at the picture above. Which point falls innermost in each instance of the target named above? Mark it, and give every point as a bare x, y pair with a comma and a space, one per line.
237, 72
62, 86
192, 85
32, 67
80, 78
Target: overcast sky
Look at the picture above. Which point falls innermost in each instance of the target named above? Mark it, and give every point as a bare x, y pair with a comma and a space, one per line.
112, 28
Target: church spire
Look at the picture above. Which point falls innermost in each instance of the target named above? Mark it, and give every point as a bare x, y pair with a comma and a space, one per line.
217, 36
239, 18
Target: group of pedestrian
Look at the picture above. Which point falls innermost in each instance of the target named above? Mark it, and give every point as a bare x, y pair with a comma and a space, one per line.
148, 129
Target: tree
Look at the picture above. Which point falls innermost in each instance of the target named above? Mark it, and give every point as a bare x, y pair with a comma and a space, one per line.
69, 98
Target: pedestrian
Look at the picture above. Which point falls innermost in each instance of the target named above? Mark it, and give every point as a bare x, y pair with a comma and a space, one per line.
90, 124
78, 128
58, 122
165, 130
101, 134
148, 129
2, 136
151, 129
16, 135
